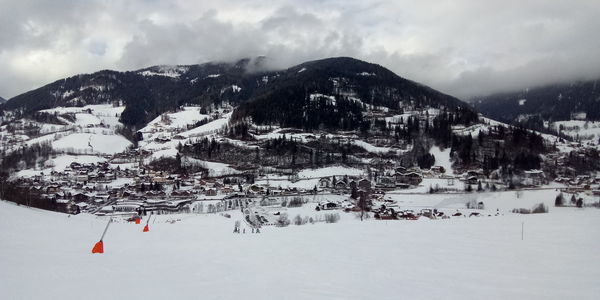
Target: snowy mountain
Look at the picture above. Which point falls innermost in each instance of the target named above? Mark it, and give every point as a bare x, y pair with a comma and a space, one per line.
2, 100
148, 92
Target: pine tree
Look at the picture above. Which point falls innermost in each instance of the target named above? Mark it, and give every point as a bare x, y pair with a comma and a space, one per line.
559, 200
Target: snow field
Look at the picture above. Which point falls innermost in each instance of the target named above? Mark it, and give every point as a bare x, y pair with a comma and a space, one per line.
59, 164
442, 158
180, 119
589, 130
214, 168
92, 143
330, 171
199, 256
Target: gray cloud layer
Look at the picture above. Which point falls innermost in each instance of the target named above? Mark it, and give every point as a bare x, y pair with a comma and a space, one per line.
462, 47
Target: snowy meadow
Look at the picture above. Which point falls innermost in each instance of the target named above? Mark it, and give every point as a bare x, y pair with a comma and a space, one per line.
47, 255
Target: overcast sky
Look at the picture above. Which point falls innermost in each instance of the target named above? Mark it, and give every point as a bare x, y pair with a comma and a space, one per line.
461, 47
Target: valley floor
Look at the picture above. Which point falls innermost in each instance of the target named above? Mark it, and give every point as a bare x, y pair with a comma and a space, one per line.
188, 256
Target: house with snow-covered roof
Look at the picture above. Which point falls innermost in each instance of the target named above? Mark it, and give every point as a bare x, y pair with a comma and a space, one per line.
534, 177
325, 182
412, 178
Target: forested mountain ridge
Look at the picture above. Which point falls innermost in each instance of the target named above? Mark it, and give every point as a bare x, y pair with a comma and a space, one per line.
267, 96
147, 92
556, 102
331, 93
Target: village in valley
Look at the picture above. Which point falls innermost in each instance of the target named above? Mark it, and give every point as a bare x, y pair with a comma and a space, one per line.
134, 182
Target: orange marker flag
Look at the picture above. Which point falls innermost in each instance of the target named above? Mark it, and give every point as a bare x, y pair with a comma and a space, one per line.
146, 228
137, 220
99, 246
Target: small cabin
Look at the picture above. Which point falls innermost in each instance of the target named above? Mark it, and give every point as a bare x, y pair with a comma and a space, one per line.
325, 182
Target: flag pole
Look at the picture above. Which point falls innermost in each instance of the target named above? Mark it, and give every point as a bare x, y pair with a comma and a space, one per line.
146, 228
99, 246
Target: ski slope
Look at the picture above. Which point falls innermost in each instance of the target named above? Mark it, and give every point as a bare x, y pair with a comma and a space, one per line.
47, 255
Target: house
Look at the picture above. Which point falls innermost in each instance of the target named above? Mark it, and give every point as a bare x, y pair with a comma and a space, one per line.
353, 184
81, 197
181, 194
327, 206
341, 185
101, 198
534, 177
210, 192
476, 173
227, 190
400, 170
472, 180
159, 179
53, 189
364, 184
412, 178
82, 178
255, 189
80, 206
386, 182
438, 169
325, 182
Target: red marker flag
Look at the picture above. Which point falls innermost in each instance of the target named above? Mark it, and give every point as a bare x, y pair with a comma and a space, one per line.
99, 246
146, 228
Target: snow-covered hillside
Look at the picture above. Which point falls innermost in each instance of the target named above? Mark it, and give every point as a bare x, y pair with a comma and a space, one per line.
163, 134
175, 121
92, 143
190, 256
89, 129
442, 158
579, 130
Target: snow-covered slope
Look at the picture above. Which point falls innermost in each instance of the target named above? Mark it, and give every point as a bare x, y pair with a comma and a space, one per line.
330, 171
92, 143
579, 130
200, 257
87, 130
442, 158
176, 120
91, 131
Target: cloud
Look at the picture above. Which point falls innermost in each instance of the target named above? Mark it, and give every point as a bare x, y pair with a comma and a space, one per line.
461, 47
